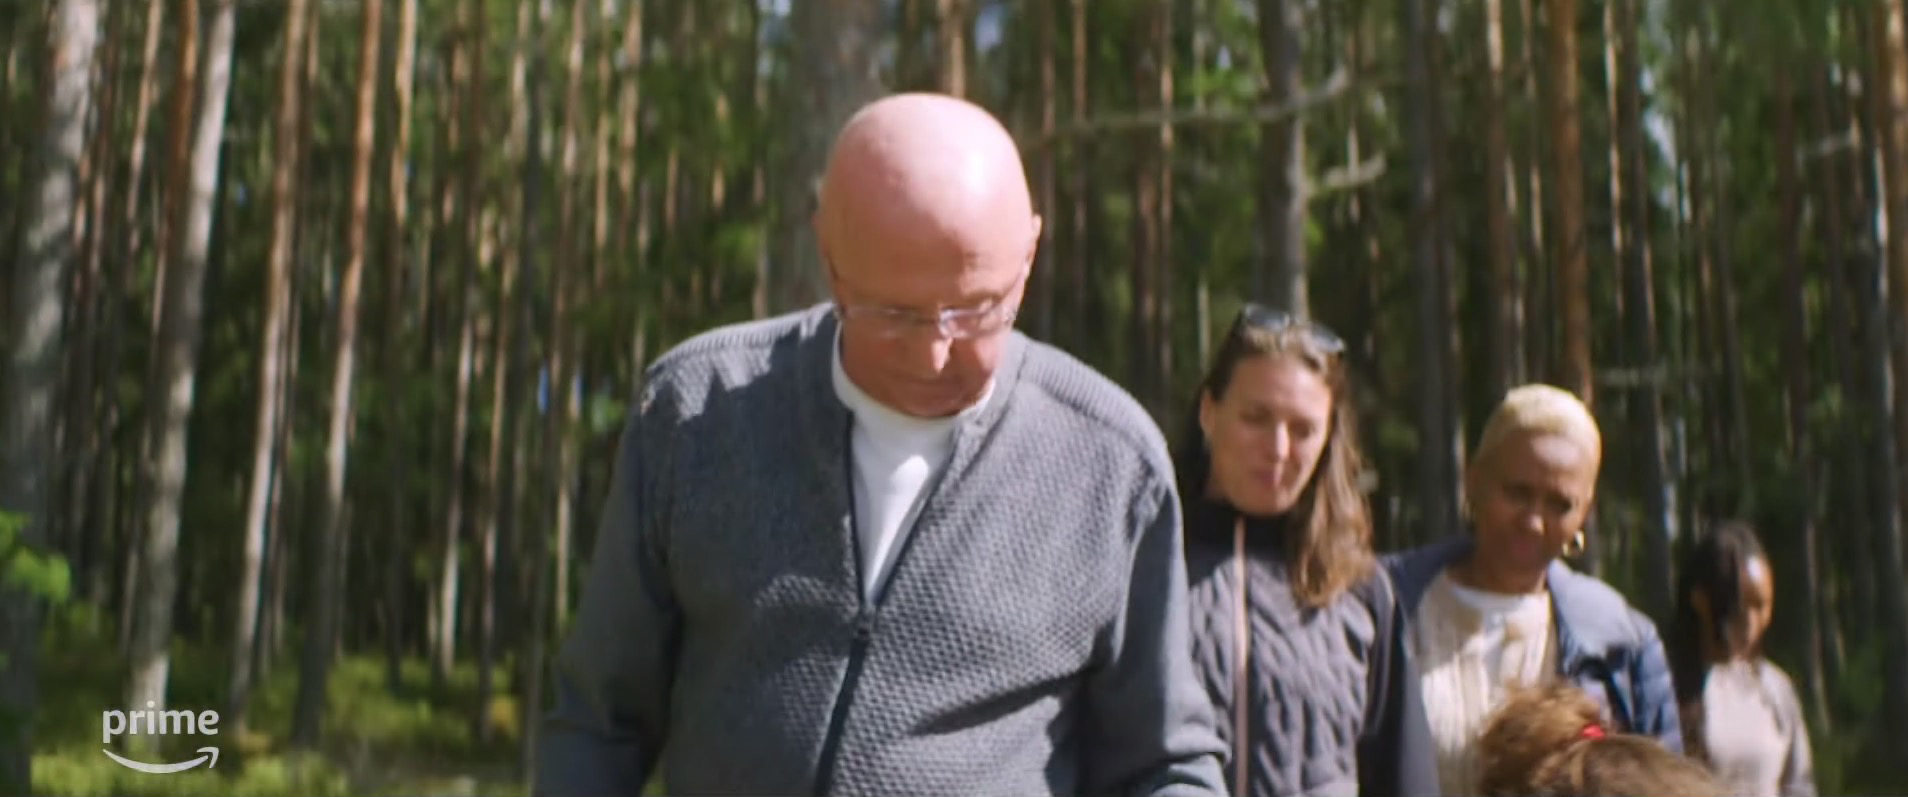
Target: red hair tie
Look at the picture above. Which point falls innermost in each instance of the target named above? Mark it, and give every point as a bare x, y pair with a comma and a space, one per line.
1591, 731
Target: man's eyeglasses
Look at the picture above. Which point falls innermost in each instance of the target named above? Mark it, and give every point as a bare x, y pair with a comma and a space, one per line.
1280, 323
953, 323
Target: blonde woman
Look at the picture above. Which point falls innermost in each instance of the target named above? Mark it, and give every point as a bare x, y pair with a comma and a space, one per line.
1495, 610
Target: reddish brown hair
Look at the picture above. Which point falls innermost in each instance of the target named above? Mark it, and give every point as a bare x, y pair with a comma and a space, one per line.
1550, 741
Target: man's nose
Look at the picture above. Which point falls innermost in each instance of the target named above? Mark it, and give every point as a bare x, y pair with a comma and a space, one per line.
934, 349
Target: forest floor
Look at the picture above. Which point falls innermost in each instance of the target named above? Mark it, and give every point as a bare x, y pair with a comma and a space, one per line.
415, 741
419, 739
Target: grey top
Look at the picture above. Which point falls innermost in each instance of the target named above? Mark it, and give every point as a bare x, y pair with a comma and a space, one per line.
1032, 638
1753, 735
1331, 704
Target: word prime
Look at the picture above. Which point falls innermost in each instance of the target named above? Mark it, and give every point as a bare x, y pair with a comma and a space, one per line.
154, 722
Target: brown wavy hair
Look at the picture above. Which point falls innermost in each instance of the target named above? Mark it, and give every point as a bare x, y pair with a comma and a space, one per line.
1550, 741
1331, 550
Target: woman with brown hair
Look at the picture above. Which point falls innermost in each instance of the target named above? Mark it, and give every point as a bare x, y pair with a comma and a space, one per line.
1550, 741
1296, 632
1497, 609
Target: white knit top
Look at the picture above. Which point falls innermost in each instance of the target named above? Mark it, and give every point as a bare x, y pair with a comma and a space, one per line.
1472, 648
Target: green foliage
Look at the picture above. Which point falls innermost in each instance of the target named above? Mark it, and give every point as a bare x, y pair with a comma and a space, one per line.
38, 573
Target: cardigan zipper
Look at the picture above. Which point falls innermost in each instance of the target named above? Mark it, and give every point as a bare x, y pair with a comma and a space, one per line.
868, 612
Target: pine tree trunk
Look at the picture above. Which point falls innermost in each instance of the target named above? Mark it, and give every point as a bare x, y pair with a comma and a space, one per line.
1044, 167
272, 380
1796, 363
496, 505
322, 632
468, 71
1282, 180
1078, 307
1629, 170
1162, 333
1437, 464
34, 355
395, 346
1540, 337
1571, 258
1849, 459
1506, 294
558, 449
82, 425
181, 314
951, 25
1892, 62
831, 70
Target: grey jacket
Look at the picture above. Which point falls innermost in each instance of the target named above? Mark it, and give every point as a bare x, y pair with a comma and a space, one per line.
1331, 702
1032, 638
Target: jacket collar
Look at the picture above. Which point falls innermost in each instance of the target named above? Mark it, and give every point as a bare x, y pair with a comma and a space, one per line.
1209, 523
828, 419
1592, 619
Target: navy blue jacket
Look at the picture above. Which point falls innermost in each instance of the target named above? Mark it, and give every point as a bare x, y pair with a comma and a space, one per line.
1604, 646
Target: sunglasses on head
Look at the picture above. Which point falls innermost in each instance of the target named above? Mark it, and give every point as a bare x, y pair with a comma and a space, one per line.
1279, 322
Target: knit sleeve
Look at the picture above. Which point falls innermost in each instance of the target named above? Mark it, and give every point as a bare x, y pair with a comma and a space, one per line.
612, 677
1151, 727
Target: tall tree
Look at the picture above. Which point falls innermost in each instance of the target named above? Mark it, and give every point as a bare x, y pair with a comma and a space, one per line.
1572, 256
394, 352
832, 72
272, 379
559, 447
35, 348
951, 26
321, 632
498, 503
1795, 363
1629, 187
1283, 186
1437, 437
466, 226
1045, 170
180, 319
1506, 294
1891, 59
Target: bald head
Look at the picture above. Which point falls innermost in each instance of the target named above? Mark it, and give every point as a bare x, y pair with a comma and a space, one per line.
925, 172
925, 216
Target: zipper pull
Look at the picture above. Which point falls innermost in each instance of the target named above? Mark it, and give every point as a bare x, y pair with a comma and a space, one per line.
864, 625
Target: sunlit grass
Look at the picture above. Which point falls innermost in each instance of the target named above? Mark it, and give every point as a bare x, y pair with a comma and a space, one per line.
414, 741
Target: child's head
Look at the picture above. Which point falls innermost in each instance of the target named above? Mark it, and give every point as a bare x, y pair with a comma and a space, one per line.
1550, 741
1726, 592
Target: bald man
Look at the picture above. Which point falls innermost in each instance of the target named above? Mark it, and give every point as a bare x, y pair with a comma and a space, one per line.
888, 545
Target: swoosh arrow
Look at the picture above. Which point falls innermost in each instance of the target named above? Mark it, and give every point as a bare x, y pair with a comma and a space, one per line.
212, 754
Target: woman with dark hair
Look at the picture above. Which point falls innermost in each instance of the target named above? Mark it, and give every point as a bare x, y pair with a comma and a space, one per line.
1296, 632
1496, 609
1740, 711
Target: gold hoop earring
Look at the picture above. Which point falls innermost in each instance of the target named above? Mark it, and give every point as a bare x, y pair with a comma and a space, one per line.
1575, 547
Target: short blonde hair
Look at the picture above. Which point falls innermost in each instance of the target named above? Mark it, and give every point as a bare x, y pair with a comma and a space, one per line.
1539, 409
